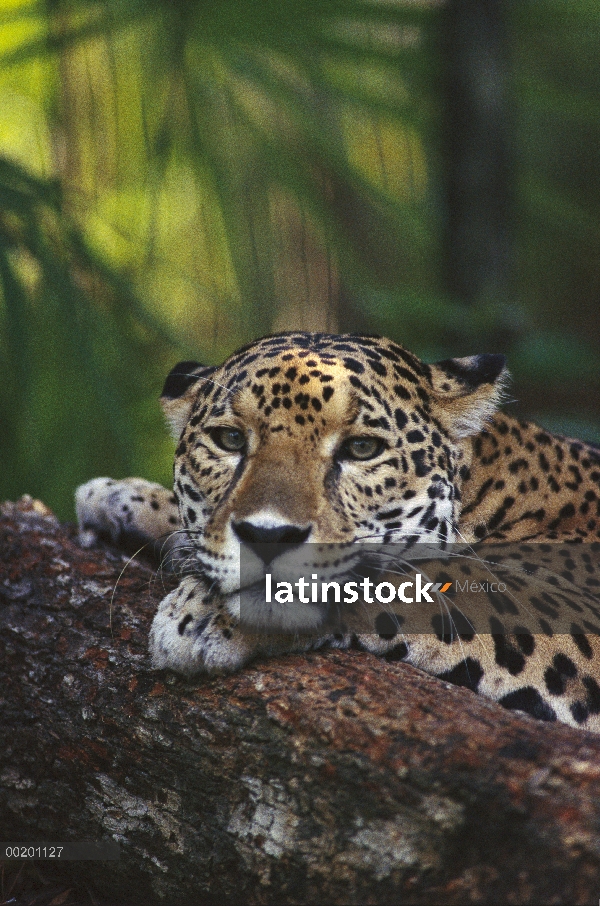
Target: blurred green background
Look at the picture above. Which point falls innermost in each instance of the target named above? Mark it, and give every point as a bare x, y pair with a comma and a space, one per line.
178, 177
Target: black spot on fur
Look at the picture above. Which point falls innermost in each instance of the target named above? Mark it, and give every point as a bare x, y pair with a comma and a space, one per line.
565, 665
468, 673
525, 640
402, 392
192, 494
387, 625
579, 711
421, 467
397, 653
451, 626
581, 641
401, 419
183, 623
593, 694
354, 365
567, 511
529, 700
406, 374
555, 683
506, 654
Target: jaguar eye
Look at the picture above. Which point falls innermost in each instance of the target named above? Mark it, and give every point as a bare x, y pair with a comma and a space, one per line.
230, 439
361, 448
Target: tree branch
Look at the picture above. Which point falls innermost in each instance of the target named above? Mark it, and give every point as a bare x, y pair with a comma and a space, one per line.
328, 777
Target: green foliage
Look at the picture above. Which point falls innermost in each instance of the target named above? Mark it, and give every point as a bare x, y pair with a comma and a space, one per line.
178, 177
75, 376
175, 138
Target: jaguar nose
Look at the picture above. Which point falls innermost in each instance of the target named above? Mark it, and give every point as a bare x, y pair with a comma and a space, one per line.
265, 542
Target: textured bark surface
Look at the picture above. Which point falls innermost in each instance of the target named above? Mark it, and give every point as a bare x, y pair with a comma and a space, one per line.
333, 777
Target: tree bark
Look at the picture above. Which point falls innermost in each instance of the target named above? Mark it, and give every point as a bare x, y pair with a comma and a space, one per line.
328, 777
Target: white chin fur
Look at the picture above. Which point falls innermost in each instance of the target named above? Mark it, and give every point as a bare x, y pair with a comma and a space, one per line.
257, 615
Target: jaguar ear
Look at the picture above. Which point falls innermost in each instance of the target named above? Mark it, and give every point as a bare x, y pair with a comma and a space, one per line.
468, 391
179, 392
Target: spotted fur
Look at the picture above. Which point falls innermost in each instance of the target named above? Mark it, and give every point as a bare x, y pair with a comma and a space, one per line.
271, 448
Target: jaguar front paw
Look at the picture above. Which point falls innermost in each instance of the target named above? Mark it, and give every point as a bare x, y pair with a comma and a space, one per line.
131, 513
193, 632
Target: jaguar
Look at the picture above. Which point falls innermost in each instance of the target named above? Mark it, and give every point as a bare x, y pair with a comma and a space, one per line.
311, 445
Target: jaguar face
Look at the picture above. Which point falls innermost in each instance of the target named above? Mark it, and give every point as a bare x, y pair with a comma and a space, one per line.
316, 439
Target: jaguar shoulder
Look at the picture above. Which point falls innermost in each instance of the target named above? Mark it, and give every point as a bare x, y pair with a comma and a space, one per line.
301, 438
